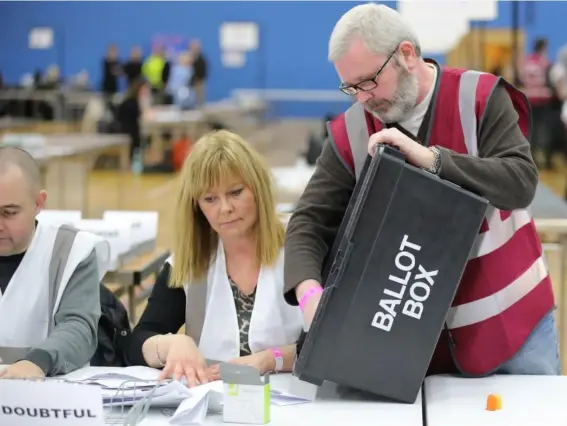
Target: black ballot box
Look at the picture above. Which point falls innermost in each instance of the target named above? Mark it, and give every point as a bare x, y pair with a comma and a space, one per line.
390, 279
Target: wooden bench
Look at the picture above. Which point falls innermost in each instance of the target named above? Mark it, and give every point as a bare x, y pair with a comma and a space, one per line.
132, 272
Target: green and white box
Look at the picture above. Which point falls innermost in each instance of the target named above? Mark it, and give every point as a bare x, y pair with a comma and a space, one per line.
246, 397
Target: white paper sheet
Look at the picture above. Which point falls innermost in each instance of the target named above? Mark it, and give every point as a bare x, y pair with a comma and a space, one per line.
165, 395
281, 399
129, 385
127, 373
126, 386
193, 410
208, 399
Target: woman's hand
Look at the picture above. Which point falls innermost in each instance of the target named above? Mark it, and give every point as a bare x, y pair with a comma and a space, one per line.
262, 361
183, 359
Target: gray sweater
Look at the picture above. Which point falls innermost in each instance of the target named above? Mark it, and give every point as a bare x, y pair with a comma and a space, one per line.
504, 173
74, 339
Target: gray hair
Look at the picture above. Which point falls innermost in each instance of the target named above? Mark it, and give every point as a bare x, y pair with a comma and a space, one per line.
381, 28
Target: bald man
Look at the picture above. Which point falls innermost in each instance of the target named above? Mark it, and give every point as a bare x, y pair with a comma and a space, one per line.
49, 280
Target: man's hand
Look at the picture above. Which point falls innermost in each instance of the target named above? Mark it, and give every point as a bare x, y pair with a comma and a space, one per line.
309, 310
310, 306
22, 370
417, 154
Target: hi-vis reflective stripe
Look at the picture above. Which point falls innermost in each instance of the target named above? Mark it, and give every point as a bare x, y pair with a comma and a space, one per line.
500, 231
467, 101
490, 306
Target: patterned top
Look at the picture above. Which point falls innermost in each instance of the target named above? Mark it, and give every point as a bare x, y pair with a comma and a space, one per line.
244, 304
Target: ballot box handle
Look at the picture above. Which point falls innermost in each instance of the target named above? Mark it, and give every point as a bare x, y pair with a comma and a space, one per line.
336, 262
385, 149
338, 266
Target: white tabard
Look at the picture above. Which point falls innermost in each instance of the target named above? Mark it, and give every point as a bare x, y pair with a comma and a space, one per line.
24, 307
274, 323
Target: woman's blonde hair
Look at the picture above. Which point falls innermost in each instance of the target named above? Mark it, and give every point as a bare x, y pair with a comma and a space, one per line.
214, 159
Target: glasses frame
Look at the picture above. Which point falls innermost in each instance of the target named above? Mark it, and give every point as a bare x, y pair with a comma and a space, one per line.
352, 89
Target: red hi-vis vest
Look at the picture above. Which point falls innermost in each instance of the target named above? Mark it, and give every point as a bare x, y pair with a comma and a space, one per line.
505, 289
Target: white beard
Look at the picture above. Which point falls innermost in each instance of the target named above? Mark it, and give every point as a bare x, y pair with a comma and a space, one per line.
403, 101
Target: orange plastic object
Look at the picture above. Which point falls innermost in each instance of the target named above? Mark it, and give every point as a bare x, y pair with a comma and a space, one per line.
494, 402
180, 151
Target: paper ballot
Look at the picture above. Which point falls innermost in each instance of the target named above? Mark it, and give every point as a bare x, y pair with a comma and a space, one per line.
280, 398
113, 377
127, 386
209, 399
166, 395
203, 399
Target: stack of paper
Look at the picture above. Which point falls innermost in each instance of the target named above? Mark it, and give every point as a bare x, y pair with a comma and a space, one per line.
208, 399
127, 386
205, 398
169, 394
138, 373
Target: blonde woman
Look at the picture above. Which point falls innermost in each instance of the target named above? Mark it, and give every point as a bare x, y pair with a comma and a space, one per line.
224, 281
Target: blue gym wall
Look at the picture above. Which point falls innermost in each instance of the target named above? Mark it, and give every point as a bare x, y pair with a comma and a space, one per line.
293, 39
537, 18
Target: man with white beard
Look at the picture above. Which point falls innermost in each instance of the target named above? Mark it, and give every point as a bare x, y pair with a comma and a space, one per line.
467, 127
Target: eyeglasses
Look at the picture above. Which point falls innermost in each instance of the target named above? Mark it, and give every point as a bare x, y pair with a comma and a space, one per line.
366, 85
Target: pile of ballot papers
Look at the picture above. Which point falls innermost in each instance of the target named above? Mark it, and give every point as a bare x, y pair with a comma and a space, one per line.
127, 386
131, 386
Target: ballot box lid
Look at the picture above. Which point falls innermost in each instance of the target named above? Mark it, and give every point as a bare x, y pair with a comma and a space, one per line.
390, 279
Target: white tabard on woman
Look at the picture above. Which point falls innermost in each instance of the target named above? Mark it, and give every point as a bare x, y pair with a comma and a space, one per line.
274, 323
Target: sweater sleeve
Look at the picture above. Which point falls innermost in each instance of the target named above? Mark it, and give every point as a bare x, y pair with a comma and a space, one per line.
313, 226
164, 313
504, 171
74, 338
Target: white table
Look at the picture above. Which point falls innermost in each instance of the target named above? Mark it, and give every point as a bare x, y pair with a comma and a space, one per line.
331, 407
526, 400
66, 161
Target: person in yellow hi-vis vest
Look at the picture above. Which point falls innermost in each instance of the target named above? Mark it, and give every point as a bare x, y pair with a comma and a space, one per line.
156, 70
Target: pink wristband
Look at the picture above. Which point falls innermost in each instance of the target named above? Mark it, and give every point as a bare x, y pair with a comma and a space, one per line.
308, 294
278, 359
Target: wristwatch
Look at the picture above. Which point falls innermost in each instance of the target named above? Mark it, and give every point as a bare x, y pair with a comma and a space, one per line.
278, 357
436, 165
